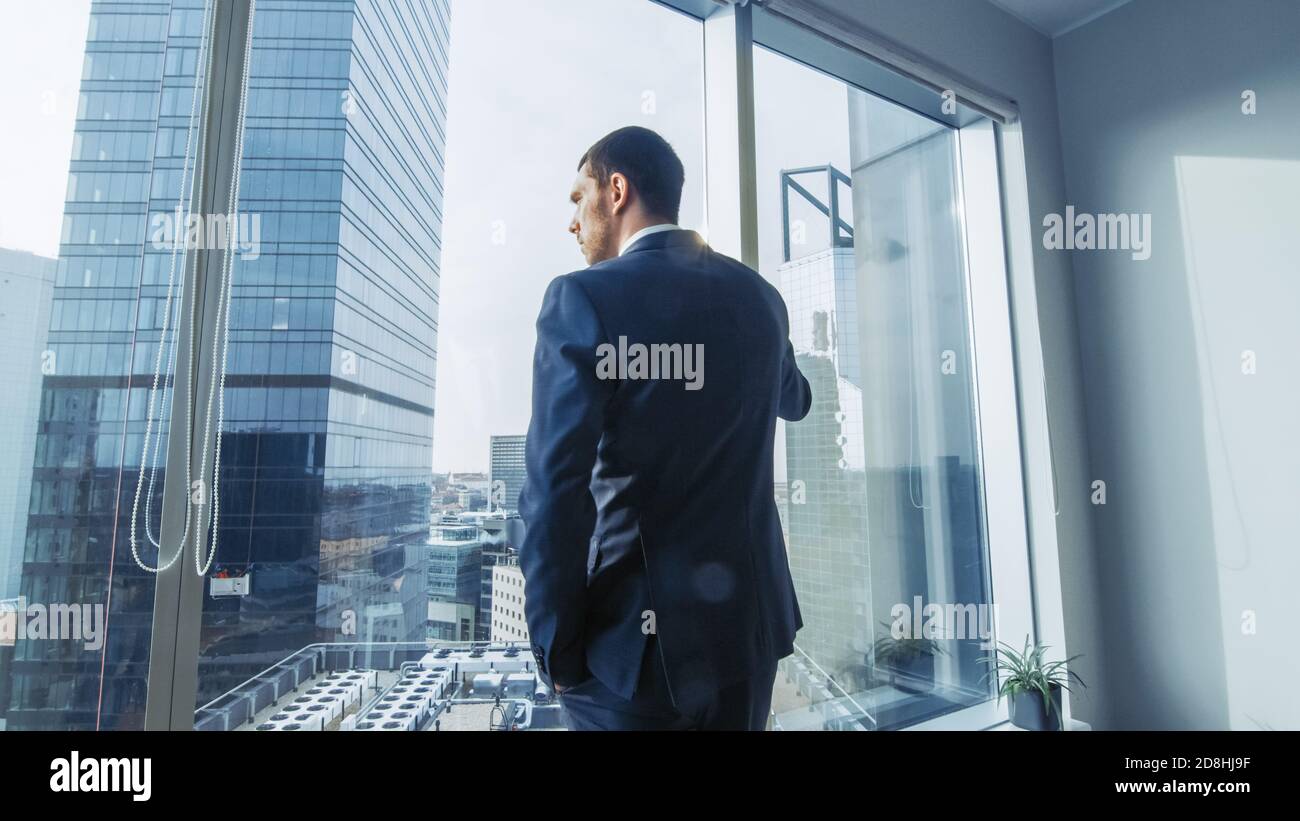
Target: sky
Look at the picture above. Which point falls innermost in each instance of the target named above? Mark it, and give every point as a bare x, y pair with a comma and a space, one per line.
515, 136
532, 85
41, 48
531, 90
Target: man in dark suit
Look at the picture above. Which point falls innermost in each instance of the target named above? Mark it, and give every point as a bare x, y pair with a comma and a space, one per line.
657, 590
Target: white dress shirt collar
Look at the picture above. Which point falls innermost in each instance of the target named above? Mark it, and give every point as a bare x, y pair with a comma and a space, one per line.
645, 232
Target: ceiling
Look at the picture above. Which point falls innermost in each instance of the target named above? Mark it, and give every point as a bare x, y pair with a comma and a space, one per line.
1056, 17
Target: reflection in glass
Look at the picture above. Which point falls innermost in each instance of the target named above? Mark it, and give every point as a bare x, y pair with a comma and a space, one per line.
326, 455
80, 376
882, 488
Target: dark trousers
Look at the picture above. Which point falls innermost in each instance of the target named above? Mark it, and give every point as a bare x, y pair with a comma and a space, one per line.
743, 705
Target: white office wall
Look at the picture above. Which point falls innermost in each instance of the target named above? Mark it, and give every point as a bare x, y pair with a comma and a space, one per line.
1198, 534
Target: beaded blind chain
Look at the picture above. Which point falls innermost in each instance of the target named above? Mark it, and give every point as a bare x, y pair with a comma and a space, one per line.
194, 147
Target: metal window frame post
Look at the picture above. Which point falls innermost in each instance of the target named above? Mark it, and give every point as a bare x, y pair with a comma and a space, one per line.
178, 596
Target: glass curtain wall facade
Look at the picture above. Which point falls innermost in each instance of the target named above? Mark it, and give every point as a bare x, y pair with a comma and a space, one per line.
506, 463
327, 439
328, 451
89, 429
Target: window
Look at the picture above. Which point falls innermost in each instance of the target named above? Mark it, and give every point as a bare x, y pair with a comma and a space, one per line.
76, 427
882, 495
402, 205
444, 208
862, 224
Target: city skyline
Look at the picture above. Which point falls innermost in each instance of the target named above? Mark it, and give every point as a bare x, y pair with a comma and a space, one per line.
503, 242
331, 451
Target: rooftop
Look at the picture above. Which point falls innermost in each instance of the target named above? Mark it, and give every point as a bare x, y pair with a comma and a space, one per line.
393, 687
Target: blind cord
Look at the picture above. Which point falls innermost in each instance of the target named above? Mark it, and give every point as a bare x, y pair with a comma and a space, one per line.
187, 177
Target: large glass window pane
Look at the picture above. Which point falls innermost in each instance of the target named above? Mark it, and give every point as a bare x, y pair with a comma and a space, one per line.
75, 608
880, 489
409, 166
324, 452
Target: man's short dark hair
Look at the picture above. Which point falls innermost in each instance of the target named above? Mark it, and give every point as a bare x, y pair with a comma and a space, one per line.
647, 160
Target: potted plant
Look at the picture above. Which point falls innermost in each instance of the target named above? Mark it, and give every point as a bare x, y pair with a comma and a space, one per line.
1032, 685
910, 661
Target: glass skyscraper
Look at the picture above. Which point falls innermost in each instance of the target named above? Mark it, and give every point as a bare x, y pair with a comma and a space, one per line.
326, 452
825, 461
455, 556
507, 472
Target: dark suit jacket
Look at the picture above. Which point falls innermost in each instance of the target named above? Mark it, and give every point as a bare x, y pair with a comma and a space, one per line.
649, 506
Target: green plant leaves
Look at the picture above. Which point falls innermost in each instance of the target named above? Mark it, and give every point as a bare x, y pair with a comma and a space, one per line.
1026, 671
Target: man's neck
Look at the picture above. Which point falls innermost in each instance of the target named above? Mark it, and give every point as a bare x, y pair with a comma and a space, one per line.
650, 226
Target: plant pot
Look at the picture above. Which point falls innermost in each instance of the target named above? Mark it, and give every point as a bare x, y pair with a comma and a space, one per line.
1030, 712
914, 675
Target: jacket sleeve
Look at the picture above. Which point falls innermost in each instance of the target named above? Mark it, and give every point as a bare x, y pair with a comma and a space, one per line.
555, 504
796, 394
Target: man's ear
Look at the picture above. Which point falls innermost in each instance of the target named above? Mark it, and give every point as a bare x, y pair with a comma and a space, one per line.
619, 192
